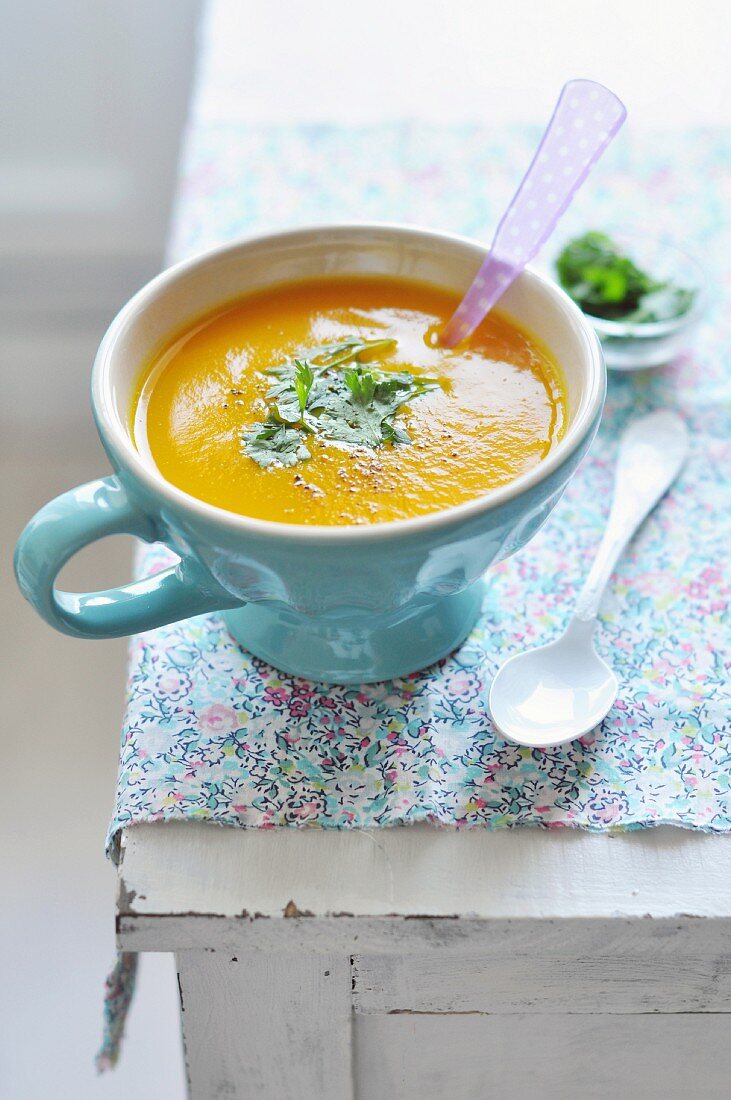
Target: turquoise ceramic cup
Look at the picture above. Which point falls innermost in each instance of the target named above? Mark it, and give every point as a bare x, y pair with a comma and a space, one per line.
338, 604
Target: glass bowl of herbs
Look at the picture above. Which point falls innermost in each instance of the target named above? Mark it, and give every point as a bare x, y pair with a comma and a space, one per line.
642, 295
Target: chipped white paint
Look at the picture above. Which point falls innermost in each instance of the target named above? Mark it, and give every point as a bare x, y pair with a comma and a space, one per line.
266, 1025
416, 936
651, 966
186, 867
410, 962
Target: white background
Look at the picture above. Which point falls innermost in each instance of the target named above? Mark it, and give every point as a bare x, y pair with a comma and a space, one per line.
452, 60
91, 103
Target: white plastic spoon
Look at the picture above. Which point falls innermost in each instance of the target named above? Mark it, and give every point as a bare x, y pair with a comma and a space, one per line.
558, 692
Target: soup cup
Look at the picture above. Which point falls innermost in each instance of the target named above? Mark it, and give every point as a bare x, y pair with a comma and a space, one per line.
336, 604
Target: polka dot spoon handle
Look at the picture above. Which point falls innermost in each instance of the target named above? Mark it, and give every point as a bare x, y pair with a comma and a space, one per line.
584, 121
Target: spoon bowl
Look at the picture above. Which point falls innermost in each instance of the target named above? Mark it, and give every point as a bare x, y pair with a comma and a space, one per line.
553, 694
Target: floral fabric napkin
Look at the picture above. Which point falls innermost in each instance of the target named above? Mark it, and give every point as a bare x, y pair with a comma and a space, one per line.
212, 734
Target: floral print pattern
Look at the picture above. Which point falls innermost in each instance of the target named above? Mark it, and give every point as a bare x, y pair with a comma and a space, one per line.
213, 734
118, 992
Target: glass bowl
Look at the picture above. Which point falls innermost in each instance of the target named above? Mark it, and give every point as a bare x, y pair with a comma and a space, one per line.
633, 345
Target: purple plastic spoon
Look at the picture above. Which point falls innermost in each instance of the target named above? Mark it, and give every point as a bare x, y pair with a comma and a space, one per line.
584, 121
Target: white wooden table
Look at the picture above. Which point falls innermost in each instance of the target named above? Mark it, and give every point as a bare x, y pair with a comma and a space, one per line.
430, 963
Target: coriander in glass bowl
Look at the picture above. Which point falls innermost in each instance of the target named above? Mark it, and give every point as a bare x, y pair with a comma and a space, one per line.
642, 295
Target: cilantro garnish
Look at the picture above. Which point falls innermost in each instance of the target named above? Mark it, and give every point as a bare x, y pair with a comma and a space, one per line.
276, 444
605, 283
313, 398
303, 378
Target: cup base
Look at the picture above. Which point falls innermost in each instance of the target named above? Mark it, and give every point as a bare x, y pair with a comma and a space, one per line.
356, 648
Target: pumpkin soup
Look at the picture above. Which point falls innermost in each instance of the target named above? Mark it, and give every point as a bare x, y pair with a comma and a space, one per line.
329, 402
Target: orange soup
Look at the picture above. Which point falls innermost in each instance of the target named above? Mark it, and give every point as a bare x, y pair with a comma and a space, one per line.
328, 402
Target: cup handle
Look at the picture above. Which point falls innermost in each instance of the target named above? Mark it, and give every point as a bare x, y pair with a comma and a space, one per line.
82, 516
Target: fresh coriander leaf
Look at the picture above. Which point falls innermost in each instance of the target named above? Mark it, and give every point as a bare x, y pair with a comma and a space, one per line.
287, 409
334, 355
392, 433
362, 411
606, 283
273, 444
375, 349
303, 379
362, 385
354, 406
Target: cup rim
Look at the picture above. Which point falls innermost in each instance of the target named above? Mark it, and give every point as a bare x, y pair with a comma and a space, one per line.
124, 452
